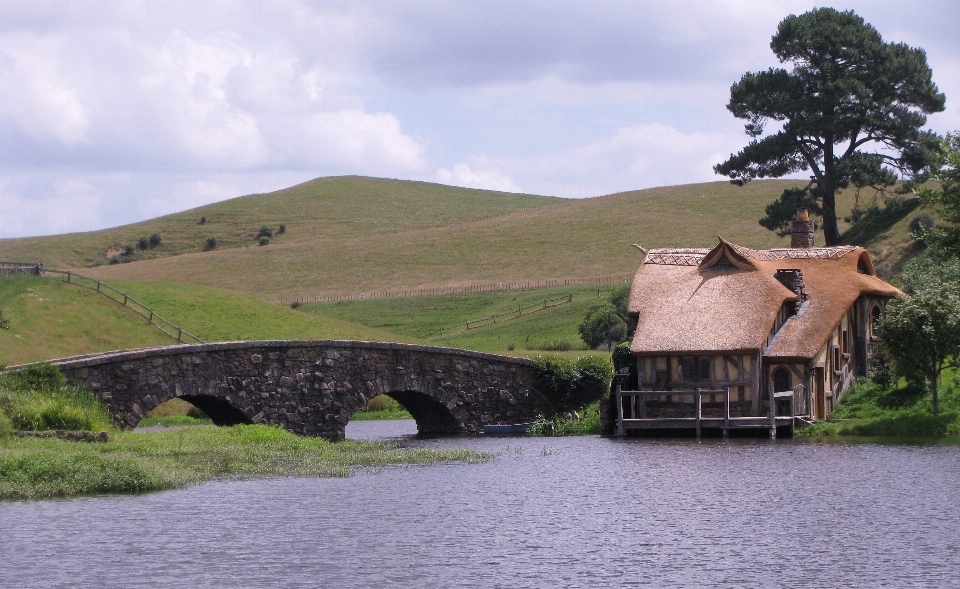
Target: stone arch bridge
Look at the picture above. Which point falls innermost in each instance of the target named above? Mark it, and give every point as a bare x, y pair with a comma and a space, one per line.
314, 387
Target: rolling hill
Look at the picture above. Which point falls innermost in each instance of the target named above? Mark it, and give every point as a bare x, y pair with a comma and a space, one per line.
349, 234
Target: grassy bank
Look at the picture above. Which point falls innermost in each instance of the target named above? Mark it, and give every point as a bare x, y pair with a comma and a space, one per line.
34, 468
136, 462
869, 409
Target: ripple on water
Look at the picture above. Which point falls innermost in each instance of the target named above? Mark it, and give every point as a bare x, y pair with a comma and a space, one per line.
547, 512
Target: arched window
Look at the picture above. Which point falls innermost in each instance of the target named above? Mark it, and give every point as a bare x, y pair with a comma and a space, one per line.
781, 380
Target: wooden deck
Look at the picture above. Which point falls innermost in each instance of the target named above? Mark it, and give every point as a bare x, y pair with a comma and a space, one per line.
698, 422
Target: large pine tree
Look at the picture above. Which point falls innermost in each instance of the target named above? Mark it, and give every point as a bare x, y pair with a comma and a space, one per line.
850, 111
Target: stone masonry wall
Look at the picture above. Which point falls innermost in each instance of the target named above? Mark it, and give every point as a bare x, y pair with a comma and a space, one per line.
314, 387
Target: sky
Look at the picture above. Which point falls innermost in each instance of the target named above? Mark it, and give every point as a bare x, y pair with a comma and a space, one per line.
116, 112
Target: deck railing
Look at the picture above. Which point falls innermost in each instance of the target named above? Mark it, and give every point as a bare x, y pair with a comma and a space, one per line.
637, 419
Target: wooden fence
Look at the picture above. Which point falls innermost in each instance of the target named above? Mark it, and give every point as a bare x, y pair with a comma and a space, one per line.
521, 311
118, 296
446, 290
21, 269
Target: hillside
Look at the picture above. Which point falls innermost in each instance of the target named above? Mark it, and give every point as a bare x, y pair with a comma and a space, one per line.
351, 235
325, 209
52, 319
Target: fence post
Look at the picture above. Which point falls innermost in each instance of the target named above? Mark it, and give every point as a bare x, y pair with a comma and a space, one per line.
699, 410
98, 286
773, 414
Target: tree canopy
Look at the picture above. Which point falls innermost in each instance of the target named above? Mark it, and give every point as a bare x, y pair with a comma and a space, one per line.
920, 331
607, 324
945, 240
850, 112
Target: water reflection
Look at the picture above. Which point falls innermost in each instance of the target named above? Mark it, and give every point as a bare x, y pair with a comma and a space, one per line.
547, 512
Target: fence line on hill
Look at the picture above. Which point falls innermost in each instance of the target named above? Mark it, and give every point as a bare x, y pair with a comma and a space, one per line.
492, 320
445, 290
100, 287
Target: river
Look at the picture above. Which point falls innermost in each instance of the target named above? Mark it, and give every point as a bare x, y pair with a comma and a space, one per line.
546, 512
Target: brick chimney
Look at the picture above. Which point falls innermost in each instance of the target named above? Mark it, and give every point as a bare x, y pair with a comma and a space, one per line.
801, 230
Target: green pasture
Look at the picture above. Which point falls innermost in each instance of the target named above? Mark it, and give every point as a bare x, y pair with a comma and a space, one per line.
51, 319
422, 319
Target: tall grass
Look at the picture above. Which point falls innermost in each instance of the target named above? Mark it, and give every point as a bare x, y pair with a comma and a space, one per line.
38, 398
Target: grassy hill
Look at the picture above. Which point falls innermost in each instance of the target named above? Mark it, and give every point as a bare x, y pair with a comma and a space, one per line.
324, 210
347, 235
350, 235
52, 319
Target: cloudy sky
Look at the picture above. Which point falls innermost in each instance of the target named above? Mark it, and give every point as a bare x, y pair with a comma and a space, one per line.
114, 112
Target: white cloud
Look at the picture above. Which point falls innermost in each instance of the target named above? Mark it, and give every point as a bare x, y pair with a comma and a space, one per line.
478, 175
361, 141
36, 93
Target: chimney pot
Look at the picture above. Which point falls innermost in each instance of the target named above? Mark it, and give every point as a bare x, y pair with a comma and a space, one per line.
801, 230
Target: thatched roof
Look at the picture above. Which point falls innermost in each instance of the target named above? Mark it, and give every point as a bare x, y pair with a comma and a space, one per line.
726, 299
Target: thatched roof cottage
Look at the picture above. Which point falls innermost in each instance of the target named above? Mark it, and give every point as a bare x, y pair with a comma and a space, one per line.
749, 319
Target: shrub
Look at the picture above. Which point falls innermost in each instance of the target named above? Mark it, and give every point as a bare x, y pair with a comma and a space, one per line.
4, 322
622, 356
569, 385
143, 243
264, 240
281, 229
264, 232
128, 251
155, 240
203, 220
211, 244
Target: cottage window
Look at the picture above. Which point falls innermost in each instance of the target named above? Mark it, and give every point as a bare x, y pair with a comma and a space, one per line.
782, 380
696, 368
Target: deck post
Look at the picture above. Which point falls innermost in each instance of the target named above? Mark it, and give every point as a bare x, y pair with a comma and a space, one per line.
698, 397
620, 428
773, 414
726, 414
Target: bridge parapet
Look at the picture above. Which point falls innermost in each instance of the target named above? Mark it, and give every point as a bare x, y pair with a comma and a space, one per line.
313, 387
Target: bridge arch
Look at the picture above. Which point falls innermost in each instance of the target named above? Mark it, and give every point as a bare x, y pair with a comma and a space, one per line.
314, 387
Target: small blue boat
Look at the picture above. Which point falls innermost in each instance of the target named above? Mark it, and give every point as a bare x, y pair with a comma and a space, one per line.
506, 429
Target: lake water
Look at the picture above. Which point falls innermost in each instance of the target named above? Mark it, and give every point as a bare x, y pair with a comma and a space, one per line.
546, 512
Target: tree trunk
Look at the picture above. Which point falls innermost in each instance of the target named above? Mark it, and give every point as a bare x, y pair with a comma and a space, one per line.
933, 388
831, 235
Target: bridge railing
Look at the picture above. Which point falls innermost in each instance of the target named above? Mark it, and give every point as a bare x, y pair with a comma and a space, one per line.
173, 331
